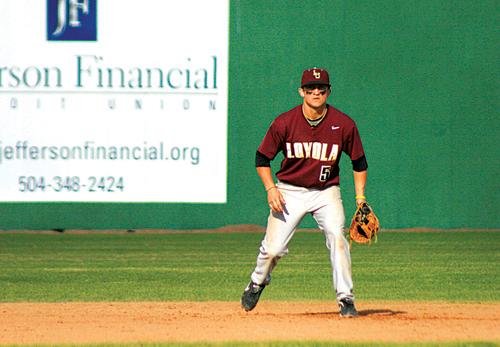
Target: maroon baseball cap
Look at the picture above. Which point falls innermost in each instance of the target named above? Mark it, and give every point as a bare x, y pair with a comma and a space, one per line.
315, 76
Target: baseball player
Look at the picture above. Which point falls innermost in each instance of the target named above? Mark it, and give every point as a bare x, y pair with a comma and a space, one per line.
312, 137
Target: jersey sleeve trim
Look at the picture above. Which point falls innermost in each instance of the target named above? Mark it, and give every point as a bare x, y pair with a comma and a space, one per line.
261, 160
360, 164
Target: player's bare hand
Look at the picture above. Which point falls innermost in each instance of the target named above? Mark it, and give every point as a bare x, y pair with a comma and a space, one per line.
275, 200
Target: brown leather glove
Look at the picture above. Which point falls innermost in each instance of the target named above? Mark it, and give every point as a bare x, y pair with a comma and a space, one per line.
364, 225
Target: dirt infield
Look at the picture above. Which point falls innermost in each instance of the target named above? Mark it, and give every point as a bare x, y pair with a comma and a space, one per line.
24, 323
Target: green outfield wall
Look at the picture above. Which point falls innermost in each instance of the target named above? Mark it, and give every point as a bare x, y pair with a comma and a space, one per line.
421, 79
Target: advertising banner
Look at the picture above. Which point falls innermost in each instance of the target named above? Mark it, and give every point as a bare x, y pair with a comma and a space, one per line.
113, 101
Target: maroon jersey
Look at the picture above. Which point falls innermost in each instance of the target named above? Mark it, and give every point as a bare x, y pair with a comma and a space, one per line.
311, 153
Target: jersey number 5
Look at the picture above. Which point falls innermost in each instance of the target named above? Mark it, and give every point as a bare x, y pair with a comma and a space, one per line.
325, 172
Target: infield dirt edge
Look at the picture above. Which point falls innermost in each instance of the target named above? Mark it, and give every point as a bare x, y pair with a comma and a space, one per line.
214, 321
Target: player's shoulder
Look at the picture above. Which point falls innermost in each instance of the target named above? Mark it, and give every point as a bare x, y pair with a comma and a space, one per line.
291, 113
340, 117
288, 117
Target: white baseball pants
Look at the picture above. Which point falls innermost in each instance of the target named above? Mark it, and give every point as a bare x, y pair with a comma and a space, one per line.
327, 209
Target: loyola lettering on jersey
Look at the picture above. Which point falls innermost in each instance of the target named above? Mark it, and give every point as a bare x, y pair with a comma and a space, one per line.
314, 150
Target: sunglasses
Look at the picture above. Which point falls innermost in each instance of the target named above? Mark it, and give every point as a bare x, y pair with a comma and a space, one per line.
321, 87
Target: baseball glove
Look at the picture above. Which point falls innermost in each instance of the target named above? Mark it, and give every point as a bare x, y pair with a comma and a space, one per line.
364, 225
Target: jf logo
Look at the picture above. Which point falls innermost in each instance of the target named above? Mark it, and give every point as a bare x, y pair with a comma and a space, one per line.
72, 20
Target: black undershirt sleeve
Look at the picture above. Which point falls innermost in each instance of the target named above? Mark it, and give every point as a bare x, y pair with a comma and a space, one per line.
360, 164
261, 160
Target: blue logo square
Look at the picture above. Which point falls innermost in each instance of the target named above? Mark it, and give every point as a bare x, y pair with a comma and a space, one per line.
72, 20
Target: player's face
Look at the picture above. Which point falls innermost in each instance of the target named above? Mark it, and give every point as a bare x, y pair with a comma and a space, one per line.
315, 95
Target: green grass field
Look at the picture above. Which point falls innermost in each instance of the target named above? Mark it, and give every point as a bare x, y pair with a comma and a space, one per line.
435, 266
443, 266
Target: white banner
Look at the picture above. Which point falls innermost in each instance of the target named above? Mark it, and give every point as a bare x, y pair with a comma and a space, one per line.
113, 100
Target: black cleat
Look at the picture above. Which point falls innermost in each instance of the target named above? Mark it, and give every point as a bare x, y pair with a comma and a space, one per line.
347, 308
251, 295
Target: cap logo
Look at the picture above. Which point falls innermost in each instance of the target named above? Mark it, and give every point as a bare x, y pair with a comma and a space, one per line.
316, 74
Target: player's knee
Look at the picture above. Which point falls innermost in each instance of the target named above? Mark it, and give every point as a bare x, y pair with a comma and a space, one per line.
335, 233
336, 239
272, 250
275, 252
341, 244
